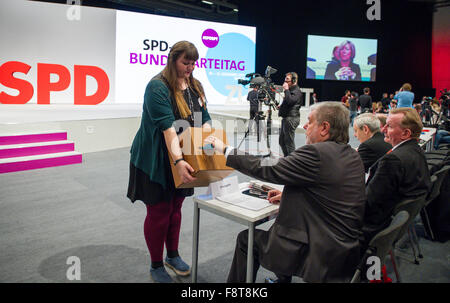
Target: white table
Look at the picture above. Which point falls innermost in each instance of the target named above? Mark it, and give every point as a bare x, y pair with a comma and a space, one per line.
427, 136
237, 214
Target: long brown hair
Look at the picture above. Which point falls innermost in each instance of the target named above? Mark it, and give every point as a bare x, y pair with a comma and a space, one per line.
170, 73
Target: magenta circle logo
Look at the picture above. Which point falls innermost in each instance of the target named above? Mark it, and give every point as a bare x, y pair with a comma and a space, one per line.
210, 38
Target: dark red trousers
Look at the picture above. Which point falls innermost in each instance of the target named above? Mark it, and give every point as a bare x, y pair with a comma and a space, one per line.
162, 225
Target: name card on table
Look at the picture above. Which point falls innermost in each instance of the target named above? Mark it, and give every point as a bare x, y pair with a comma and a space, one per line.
223, 187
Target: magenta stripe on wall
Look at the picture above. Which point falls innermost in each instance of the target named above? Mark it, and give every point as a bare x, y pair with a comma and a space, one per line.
39, 163
7, 140
36, 150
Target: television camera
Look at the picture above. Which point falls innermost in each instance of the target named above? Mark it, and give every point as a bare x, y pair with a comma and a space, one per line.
266, 92
265, 87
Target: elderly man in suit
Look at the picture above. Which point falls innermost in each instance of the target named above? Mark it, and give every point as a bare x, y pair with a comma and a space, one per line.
367, 130
315, 235
400, 174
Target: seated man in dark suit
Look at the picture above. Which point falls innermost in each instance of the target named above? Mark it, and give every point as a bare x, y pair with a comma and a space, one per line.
398, 175
367, 130
315, 235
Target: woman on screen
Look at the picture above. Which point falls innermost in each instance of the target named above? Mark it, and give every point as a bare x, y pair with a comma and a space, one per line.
343, 68
171, 98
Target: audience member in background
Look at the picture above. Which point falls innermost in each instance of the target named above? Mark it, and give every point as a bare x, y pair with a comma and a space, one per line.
418, 108
391, 96
442, 136
405, 97
382, 118
345, 98
315, 235
314, 99
374, 107
393, 104
435, 105
367, 130
385, 100
380, 108
365, 101
400, 174
353, 106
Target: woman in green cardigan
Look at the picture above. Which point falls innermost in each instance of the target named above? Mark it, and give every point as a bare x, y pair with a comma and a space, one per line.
173, 100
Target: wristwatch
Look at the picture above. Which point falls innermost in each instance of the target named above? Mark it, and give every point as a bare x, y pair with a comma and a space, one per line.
176, 161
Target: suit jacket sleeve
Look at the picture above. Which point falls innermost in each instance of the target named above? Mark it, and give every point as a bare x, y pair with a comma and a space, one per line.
292, 97
382, 185
367, 156
301, 167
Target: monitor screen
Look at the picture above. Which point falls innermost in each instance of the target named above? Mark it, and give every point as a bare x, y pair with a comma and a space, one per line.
341, 58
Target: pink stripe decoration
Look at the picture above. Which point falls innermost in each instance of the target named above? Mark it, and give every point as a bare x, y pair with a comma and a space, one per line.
20, 139
39, 163
36, 150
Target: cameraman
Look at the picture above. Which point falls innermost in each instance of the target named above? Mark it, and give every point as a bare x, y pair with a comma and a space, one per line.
252, 97
290, 112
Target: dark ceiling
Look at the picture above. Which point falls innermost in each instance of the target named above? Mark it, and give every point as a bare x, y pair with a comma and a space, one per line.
212, 10
226, 11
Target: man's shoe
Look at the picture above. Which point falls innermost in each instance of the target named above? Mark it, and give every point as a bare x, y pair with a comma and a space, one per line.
178, 266
160, 275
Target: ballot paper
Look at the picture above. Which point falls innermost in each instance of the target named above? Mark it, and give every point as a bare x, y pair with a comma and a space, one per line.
230, 191
244, 201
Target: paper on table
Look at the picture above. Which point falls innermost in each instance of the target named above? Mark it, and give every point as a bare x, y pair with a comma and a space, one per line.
244, 201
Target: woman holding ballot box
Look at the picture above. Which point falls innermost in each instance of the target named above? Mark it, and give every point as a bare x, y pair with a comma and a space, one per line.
173, 100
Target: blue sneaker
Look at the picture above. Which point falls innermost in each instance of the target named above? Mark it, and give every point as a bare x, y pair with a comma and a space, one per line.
160, 275
178, 266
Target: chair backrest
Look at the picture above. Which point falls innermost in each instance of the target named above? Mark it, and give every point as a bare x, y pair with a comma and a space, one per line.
382, 242
413, 207
437, 159
444, 146
438, 177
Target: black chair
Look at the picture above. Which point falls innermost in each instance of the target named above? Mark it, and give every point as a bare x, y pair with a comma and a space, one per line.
436, 182
413, 207
382, 243
437, 159
444, 146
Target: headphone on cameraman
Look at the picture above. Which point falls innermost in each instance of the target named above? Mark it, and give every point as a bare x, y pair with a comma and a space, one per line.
294, 77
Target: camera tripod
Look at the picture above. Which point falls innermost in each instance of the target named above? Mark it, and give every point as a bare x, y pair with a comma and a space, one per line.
257, 119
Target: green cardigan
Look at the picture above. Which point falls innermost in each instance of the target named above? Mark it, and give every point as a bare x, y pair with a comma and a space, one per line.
148, 151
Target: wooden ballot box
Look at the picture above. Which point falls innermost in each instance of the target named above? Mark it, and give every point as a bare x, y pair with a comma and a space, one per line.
208, 166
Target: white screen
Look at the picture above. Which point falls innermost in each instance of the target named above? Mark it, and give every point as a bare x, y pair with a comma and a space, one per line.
218, 68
